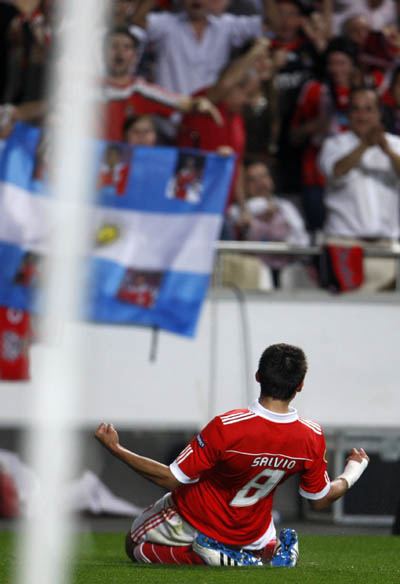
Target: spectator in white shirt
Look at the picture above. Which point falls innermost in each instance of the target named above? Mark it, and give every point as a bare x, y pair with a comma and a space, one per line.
269, 218
362, 168
193, 46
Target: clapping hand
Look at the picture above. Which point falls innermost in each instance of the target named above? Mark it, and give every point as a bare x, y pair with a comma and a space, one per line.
376, 137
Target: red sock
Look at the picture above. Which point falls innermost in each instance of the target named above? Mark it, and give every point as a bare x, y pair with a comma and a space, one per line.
152, 553
268, 551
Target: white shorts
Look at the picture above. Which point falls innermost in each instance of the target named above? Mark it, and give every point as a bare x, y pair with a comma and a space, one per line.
161, 523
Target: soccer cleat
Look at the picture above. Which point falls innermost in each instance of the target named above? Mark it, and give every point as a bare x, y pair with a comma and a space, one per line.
287, 552
215, 553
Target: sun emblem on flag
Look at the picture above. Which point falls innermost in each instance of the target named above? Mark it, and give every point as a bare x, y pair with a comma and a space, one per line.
107, 234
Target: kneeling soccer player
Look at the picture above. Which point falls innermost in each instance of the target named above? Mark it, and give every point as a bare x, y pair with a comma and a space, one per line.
221, 486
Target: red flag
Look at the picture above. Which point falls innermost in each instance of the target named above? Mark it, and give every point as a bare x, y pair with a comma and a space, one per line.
347, 264
15, 338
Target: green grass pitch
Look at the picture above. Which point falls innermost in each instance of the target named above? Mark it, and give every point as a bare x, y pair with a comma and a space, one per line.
323, 559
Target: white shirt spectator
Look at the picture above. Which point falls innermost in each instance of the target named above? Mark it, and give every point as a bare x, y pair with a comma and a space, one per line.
262, 229
383, 15
286, 225
185, 63
363, 203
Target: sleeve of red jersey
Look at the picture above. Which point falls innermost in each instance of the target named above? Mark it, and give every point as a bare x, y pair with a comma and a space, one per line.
308, 104
314, 481
153, 99
202, 453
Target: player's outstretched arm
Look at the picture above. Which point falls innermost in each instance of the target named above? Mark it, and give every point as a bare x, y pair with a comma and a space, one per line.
356, 463
154, 471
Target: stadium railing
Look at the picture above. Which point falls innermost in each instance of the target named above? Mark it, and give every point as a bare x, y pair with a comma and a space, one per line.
284, 249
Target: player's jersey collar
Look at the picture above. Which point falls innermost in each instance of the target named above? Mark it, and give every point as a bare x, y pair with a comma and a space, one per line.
258, 409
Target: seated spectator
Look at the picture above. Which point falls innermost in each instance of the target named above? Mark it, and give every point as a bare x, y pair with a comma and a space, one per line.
321, 111
140, 131
193, 46
230, 94
268, 217
362, 169
125, 94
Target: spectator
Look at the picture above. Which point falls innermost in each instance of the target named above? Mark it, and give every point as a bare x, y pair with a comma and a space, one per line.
269, 218
122, 11
125, 94
193, 46
321, 111
378, 49
28, 43
357, 29
362, 168
30, 112
262, 114
140, 131
7, 13
233, 91
121, 14
379, 13
391, 113
299, 55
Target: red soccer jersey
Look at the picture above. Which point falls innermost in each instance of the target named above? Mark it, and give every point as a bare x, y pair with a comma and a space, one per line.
116, 176
140, 295
314, 101
184, 179
232, 468
199, 131
135, 98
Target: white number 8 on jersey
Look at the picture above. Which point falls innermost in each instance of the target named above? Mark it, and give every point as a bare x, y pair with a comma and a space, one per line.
241, 499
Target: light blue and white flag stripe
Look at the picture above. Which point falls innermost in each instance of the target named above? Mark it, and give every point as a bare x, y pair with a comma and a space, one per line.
143, 231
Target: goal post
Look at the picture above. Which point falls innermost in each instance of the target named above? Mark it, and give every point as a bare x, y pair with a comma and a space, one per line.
51, 439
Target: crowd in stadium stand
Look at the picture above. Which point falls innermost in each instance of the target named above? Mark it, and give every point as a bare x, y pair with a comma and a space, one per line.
271, 81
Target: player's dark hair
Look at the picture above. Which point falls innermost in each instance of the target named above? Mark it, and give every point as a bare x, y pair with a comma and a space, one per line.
281, 370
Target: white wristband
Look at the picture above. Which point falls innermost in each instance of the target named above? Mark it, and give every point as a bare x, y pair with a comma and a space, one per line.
353, 470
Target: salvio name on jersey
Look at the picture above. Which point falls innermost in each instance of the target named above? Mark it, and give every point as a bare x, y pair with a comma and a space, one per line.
274, 462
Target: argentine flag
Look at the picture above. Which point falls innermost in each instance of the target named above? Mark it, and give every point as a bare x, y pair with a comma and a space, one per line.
156, 216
